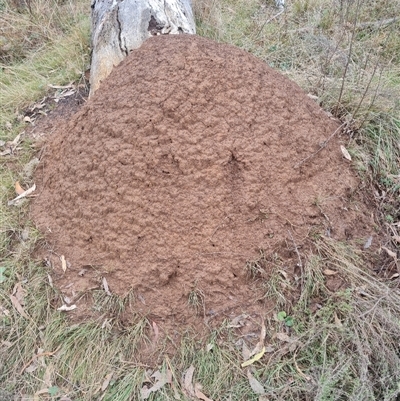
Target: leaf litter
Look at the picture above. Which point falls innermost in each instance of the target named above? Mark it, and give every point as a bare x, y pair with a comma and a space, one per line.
161, 379
24, 194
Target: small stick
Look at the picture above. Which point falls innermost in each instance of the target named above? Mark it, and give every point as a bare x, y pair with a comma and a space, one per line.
296, 249
268, 21
323, 146
37, 356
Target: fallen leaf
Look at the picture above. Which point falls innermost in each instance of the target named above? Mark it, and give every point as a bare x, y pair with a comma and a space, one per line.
395, 275
23, 195
50, 280
67, 93
161, 380
11, 146
329, 272
260, 398
156, 332
188, 377
199, 394
368, 243
66, 308
18, 189
396, 238
209, 347
255, 385
27, 119
259, 346
246, 353
106, 381
48, 374
42, 391
18, 307
106, 288
67, 300
238, 321
284, 274
254, 359
19, 293
390, 253
283, 337
338, 323
63, 263
61, 87
345, 153
32, 367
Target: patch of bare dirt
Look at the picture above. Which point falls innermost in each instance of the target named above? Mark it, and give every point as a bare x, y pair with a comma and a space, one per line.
191, 158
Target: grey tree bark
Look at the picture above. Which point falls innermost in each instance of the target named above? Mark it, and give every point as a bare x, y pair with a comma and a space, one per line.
119, 26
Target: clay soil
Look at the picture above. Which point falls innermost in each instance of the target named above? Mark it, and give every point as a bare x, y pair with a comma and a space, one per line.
192, 159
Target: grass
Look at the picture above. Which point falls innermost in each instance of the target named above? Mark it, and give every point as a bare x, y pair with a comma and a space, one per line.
342, 345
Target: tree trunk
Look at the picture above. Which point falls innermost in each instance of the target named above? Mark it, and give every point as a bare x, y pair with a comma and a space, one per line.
119, 26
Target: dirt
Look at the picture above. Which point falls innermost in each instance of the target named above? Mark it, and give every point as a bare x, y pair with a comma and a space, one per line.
192, 159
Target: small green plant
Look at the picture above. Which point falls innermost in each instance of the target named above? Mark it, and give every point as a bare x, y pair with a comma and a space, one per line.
283, 317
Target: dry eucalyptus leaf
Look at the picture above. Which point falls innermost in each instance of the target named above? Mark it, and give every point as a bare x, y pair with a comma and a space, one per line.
345, 153
19, 293
368, 242
161, 380
106, 287
395, 275
156, 332
209, 347
254, 359
283, 337
199, 394
106, 381
284, 274
255, 385
65, 308
18, 307
338, 323
259, 346
63, 263
390, 253
188, 377
238, 321
329, 272
246, 353
32, 367
23, 195
48, 375
18, 189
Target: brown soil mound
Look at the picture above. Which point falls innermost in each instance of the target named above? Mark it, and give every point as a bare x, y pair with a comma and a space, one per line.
181, 168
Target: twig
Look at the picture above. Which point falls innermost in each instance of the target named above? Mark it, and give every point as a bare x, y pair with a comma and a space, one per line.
377, 24
353, 33
323, 146
297, 250
38, 356
268, 21
374, 307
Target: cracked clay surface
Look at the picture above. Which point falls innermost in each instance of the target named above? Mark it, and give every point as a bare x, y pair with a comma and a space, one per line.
179, 170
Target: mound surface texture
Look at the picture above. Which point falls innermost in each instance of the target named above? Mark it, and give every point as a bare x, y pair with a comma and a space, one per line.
182, 167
